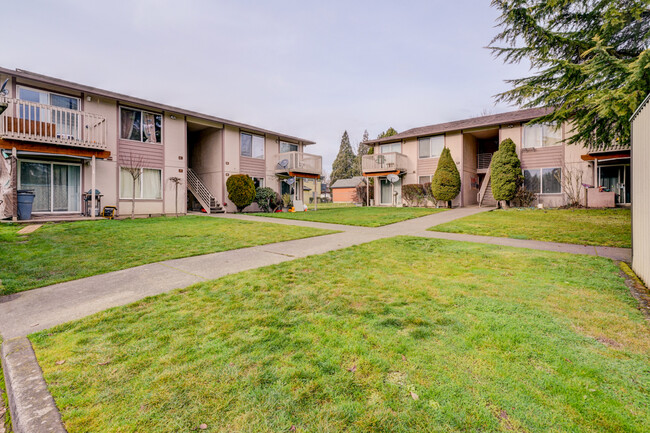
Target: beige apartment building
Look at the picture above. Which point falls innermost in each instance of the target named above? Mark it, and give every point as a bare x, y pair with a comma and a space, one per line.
547, 163
63, 140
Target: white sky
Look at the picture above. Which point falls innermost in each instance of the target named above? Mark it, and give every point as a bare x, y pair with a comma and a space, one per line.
306, 68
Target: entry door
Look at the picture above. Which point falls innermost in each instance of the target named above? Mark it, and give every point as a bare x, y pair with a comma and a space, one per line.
614, 178
57, 187
387, 190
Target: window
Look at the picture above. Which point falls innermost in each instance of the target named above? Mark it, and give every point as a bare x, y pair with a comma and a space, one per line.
544, 180
147, 186
140, 125
56, 186
252, 146
390, 147
66, 123
259, 182
288, 147
431, 147
542, 135
424, 179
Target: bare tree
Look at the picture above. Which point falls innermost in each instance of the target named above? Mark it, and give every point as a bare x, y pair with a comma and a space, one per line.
133, 164
176, 181
571, 180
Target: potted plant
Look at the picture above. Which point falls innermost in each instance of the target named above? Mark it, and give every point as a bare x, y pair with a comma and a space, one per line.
286, 202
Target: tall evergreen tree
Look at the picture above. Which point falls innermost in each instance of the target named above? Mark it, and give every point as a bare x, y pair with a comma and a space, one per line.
362, 149
387, 133
445, 184
506, 171
344, 166
590, 57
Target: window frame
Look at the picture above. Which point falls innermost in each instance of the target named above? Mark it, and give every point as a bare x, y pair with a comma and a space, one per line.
429, 181
290, 144
162, 125
162, 186
242, 133
540, 172
261, 180
430, 140
49, 96
543, 134
391, 146
51, 164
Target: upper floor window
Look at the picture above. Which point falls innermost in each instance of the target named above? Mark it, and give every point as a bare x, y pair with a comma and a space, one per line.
139, 125
288, 147
390, 147
542, 135
252, 146
431, 147
48, 98
66, 123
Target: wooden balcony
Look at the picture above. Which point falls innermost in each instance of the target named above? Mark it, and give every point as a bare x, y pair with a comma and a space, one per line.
31, 121
384, 162
299, 164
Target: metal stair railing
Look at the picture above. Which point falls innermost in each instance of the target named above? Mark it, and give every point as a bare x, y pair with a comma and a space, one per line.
200, 191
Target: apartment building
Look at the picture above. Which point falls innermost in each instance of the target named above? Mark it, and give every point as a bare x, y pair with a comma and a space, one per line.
62, 140
547, 162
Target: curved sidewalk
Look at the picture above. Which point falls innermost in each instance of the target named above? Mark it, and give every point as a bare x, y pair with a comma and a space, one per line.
37, 309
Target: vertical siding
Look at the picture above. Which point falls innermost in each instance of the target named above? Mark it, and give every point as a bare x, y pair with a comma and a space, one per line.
641, 194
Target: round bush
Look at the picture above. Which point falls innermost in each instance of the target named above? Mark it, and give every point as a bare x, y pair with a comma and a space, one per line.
241, 190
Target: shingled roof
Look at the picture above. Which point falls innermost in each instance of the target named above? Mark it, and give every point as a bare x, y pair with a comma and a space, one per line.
348, 183
475, 122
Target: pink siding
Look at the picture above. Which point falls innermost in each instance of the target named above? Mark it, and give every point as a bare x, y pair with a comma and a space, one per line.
152, 153
542, 157
427, 166
253, 167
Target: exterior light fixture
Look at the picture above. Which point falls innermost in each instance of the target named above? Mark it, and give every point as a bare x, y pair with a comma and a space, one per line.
171, 116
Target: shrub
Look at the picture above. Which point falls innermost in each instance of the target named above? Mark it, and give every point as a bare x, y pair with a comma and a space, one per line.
445, 184
428, 195
266, 198
241, 190
286, 200
523, 197
414, 194
361, 193
505, 171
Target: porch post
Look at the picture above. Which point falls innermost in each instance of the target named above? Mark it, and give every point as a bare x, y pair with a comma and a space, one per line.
315, 199
596, 173
92, 186
367, 191
14, 181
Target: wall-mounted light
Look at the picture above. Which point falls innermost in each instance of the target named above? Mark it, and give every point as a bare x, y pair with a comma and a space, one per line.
89, 98
511, 126
171, 116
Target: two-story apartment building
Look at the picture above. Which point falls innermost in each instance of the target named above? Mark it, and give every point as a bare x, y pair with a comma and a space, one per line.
60, 139
547, 162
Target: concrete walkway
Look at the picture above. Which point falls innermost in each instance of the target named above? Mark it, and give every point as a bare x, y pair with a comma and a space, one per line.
34, 310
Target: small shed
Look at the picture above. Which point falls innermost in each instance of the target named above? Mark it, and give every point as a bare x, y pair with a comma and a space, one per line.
345, 190
640, 167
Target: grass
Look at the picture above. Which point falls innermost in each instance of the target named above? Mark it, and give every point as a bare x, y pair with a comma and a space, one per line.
311, 206
435, 336
5, 416
605, 227
356, 215
67, 251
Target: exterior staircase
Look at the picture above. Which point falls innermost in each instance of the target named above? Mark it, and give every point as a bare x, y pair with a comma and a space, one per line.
485, 197
202, 193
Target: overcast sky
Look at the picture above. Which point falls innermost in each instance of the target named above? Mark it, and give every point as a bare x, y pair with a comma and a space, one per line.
307, 68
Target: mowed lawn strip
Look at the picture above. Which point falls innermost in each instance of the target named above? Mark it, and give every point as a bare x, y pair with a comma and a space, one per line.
402, 335
356, 215
67, 251
604, 227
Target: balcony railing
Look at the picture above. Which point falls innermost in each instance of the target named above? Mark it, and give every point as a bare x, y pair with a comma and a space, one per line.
31, 121
381, 162
615, 147
483, 161
298, 162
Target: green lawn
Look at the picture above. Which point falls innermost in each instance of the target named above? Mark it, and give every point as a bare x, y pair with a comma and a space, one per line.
5, 418
435, 336
67, 251
606, 227
356, 215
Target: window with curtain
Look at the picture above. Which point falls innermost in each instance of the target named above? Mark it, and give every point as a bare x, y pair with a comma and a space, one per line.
147, 186
139, 125
252, 146
543, 180
431, 147
288, 147
390, 147
542, 135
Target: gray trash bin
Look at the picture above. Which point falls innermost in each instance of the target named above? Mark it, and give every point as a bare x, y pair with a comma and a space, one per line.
25, 202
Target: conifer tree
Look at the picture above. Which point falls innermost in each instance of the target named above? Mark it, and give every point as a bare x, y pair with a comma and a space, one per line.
345, 164
505, 170
445, 184
590, 60
387, 133
362, 149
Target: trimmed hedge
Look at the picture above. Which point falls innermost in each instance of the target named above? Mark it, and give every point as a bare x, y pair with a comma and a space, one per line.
506, 171
241, 190
445, 184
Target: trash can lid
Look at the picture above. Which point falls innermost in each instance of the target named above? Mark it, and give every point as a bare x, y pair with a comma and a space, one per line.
25, 191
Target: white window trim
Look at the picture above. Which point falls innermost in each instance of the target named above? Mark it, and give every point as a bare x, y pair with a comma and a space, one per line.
431, 155
119, 121
19, 86
541, 180
429, 176
252, 135
289, 143
162, 185
391, 145
52, 183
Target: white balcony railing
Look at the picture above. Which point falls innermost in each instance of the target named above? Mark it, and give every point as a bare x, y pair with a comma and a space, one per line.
31, 121
299, 162
384, 162
614, 147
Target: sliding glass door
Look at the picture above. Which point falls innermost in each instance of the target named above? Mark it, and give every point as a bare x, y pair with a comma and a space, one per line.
56, 186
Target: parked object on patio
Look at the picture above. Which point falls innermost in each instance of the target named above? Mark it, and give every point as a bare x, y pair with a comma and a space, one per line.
87, 197
109, 212
25, 202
